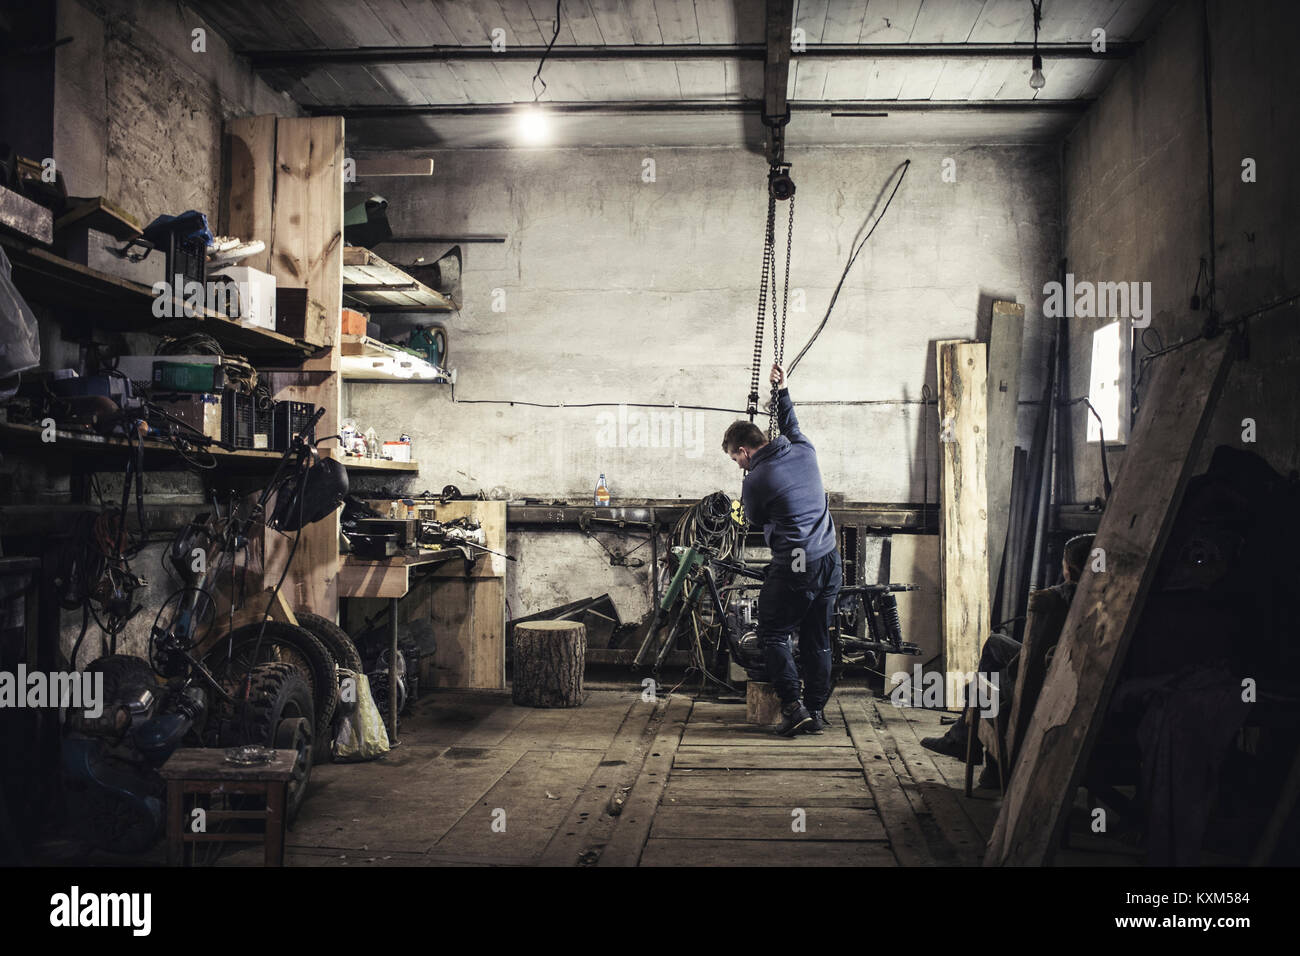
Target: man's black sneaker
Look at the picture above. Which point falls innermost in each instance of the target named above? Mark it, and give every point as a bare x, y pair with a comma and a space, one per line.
821, 716
796, 718
950, 744
817, 725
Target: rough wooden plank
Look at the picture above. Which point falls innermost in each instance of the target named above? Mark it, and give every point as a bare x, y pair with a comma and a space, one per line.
764, 853
589, 823
521, 814
981, 811
896, 811
841, 824
958, 829
963, 513
250, 183
1005, 336
763, 758
771, 788
1058, 742
629, 836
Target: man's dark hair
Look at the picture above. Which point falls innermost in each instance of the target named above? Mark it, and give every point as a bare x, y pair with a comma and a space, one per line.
1076, 553
743, 433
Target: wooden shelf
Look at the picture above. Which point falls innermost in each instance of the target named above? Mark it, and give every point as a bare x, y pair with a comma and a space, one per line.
380, 286
123, 305
363, 359
373, 464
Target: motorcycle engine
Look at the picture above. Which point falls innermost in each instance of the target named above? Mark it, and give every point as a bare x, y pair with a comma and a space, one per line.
742, 618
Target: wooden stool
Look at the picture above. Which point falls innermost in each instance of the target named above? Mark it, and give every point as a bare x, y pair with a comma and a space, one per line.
549, 658
204, 770
762, 704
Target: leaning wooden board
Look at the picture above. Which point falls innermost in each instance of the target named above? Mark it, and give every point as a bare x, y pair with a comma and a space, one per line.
1106, 608
963, 512
1006, 334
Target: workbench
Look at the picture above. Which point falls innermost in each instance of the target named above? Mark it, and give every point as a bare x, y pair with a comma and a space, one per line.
463, 600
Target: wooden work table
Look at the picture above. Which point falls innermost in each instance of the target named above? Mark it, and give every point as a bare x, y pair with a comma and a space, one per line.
464, 601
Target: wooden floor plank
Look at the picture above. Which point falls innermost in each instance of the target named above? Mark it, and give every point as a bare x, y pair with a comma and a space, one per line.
766, 758
765, 853
589, 824
767, 823
717, 732
946, 809
633, 827
895, 809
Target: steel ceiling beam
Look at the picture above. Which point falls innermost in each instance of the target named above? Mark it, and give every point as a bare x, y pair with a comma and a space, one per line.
755, 107
299, 59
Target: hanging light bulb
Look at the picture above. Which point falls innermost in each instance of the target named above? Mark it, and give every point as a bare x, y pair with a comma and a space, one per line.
533, 125
1036, 78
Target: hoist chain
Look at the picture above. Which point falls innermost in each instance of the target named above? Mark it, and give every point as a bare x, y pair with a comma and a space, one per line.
778, 338
768, 256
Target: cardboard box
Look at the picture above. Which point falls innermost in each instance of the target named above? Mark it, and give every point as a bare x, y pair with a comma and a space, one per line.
254, 305
201, 411
397, 450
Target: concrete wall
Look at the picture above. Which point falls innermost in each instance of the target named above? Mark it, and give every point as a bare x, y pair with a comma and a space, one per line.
1136, 209
619, 290
139, 113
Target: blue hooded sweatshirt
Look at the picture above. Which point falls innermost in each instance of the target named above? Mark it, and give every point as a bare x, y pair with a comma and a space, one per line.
783, 492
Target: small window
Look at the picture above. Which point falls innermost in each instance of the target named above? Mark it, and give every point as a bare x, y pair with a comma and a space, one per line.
1108, 385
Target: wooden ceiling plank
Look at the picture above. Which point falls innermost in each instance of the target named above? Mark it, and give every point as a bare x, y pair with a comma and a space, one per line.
643, 21
612, 78
920, 78
1075, 23
481, 82
612, 19
1128, 19
400, 86
1002, 21
958, 79
702, 79
438, 82
889, 21
946, 21
677, 21
993, 76
517, 78
357, 19
412, 22
847, 79
885, 80
257, 27
654, 79
810, 83
810, 16
526, 26
844, 21
459, 16
582, 23
716, 20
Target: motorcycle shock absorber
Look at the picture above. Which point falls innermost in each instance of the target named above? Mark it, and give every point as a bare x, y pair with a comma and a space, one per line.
888, 606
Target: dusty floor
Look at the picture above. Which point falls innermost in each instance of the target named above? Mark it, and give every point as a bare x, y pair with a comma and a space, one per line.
623, 782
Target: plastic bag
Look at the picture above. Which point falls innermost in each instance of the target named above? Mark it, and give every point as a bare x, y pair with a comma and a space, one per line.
361, 734
20, 341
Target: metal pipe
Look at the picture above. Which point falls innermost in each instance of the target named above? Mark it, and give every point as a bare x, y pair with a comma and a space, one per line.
754, 107
297, 59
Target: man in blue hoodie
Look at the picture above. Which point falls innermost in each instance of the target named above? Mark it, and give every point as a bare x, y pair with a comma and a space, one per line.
783, 494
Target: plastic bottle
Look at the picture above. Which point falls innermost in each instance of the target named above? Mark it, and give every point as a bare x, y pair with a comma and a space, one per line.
602, 493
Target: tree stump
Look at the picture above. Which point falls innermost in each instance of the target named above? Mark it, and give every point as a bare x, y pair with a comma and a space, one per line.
762, 705
548, 660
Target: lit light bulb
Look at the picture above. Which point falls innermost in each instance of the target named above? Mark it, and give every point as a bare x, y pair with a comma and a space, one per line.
533, 125
1036, 79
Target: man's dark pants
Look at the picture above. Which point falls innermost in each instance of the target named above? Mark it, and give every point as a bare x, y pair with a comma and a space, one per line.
803, 602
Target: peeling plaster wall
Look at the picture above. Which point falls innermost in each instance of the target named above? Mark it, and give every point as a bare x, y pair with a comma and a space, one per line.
613, 289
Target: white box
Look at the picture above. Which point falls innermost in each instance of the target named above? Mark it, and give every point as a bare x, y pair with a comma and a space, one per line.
254, 305
397, 450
